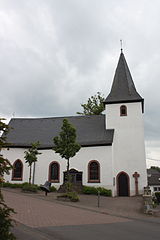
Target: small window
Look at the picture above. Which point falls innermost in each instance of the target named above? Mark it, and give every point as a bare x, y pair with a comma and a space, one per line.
17, 170
54, 172
155, 189
93, 171
123, 110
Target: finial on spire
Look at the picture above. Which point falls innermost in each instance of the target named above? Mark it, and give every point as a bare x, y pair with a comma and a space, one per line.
121, 45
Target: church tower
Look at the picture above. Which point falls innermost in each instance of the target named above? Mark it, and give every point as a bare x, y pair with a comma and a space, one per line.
124, 113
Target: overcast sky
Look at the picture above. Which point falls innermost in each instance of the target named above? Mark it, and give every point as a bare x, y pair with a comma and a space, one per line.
55, 54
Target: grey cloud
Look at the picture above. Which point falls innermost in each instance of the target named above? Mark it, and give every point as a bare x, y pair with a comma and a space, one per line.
55, 54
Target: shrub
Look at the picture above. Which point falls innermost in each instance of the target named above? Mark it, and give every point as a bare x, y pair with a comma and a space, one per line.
104, 191
6, 223
89, 190
53, 189
95, 190
72, 196
29, 188
5, 184
68, 185
157, 194
12, 185
25, 185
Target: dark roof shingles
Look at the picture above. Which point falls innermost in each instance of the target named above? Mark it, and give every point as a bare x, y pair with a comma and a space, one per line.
153, 177
90, 131
123, 88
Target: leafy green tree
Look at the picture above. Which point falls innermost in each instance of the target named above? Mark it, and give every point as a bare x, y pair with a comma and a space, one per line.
94, 105
31, 157
65, 144
6, 223
156, 168
5, 220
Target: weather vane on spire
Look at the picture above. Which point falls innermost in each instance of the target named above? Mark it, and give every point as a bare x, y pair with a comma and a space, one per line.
121, 45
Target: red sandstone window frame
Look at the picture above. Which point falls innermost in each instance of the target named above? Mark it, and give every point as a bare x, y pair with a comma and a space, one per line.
49, 176
123, 110
13, 171
89, 172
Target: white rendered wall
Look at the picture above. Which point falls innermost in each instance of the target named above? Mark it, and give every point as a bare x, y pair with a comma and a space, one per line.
152, 188
12, 155
128, 143
103, 154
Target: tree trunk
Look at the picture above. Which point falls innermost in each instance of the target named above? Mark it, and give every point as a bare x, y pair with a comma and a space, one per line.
67, 168
68, 178
30, 173
34, 167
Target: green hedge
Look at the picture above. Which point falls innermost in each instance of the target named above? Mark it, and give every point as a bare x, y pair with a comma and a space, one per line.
89, 190
29, 188
21, 185
13, 185
95, 190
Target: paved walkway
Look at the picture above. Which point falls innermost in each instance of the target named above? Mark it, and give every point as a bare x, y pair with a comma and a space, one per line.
45, 218
35, 212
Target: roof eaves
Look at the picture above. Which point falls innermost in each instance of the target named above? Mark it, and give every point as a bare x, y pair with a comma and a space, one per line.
50, 147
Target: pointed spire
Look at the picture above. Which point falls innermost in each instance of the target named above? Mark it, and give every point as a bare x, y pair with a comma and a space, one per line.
121, 46
123, 88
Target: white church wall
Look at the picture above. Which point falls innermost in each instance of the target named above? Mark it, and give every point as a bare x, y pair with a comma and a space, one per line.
103, 154
154, 188
128, 147
12, 155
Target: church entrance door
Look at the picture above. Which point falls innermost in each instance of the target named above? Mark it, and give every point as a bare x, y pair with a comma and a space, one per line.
123, 184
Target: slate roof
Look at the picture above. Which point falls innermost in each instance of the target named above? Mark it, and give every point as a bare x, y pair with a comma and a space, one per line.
153, 177
90, 131
123, 88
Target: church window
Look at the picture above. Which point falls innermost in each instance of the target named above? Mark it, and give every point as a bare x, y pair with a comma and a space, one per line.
93, 171
17, 170
54, 172
123, 110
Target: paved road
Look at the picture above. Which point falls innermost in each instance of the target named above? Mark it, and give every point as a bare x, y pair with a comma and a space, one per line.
45, 220
130, 230
126, 230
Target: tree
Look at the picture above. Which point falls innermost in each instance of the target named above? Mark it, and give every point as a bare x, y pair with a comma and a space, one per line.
156, 168
31, 157
94, 105
65, 144
5, 166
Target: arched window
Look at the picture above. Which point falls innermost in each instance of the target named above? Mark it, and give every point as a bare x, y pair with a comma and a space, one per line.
123, 110
17, 171
93, 171
54, 170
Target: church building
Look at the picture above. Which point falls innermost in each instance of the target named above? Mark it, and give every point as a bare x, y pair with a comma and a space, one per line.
112, 153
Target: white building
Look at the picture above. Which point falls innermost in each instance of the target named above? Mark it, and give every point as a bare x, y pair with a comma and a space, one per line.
153, 179
112, 153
